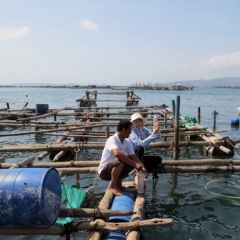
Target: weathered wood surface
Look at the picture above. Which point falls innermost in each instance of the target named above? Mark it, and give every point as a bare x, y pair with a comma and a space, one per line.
95, 213
216, 142
98, 224
137, 216
104, 204
23, 163
91, 145
95, 163
168, 169
50, 113
80, 164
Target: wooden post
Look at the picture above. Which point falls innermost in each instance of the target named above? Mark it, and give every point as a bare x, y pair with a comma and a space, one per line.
199, 115
107, 132
25, 106
176, 129
173, 107
214, 120
8, 105
165, 120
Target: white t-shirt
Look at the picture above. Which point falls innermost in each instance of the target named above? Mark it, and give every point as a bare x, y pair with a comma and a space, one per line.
114, 142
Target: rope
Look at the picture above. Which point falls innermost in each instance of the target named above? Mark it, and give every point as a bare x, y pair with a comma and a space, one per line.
76, 150
94, 183
222, 195
68, 228
98, 211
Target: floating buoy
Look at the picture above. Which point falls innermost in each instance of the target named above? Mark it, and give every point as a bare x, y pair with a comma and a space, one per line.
235, 121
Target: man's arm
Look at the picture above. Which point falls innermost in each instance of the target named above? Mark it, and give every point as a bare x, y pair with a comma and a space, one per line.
132, 160
121, 156
140, 166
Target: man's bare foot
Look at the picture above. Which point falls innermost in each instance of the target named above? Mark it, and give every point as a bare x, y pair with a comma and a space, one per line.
116, 191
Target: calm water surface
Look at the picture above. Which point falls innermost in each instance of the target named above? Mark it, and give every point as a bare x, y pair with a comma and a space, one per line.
203, 206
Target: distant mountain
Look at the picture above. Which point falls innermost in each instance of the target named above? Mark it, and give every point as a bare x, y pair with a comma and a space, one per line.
226, 81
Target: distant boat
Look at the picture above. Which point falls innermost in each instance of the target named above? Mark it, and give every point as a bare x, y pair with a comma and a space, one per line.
181, 87
119, 88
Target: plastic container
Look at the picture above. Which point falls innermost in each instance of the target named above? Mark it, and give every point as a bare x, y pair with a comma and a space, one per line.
29, 196
155, 120
123, 202
41, 108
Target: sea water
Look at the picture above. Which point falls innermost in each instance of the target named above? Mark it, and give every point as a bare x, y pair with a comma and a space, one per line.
202, 205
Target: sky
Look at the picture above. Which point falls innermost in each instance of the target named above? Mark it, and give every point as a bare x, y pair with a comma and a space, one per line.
118, 42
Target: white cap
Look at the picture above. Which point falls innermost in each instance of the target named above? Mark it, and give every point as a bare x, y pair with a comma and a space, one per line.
138, 116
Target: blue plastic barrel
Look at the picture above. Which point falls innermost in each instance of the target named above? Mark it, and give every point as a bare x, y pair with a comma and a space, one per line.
125, 201
29, 196
41, 108
235, 121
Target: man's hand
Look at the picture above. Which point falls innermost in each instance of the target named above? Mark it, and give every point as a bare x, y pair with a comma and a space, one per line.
156, 128
140, 167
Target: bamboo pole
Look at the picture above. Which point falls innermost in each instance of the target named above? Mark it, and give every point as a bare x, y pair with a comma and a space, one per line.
76, 135
137, 216
98, 224
104, 204
95, 163
168, 169
93, 145
201, 169
163, 106
51, 130
61, 153
46, 153
23, 163
95, 213
43, 115
201, 162
216, 143
83, 127
73, 170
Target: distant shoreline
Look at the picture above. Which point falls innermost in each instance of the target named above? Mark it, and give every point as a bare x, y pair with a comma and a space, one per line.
113, 87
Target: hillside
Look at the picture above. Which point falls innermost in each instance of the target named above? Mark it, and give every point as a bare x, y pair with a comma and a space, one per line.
226, 81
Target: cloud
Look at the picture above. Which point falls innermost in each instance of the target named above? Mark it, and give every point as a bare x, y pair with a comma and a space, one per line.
227, 61
88, 24
9, 34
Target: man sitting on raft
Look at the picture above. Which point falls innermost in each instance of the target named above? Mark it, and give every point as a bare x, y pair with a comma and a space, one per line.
118, 158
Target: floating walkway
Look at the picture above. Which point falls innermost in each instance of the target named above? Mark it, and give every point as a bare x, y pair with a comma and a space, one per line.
87, 128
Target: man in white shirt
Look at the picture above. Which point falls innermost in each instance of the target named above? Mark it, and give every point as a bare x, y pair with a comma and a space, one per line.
118, 158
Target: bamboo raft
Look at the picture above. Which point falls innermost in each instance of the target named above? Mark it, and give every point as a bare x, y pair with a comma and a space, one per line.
90, 98
93, 132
